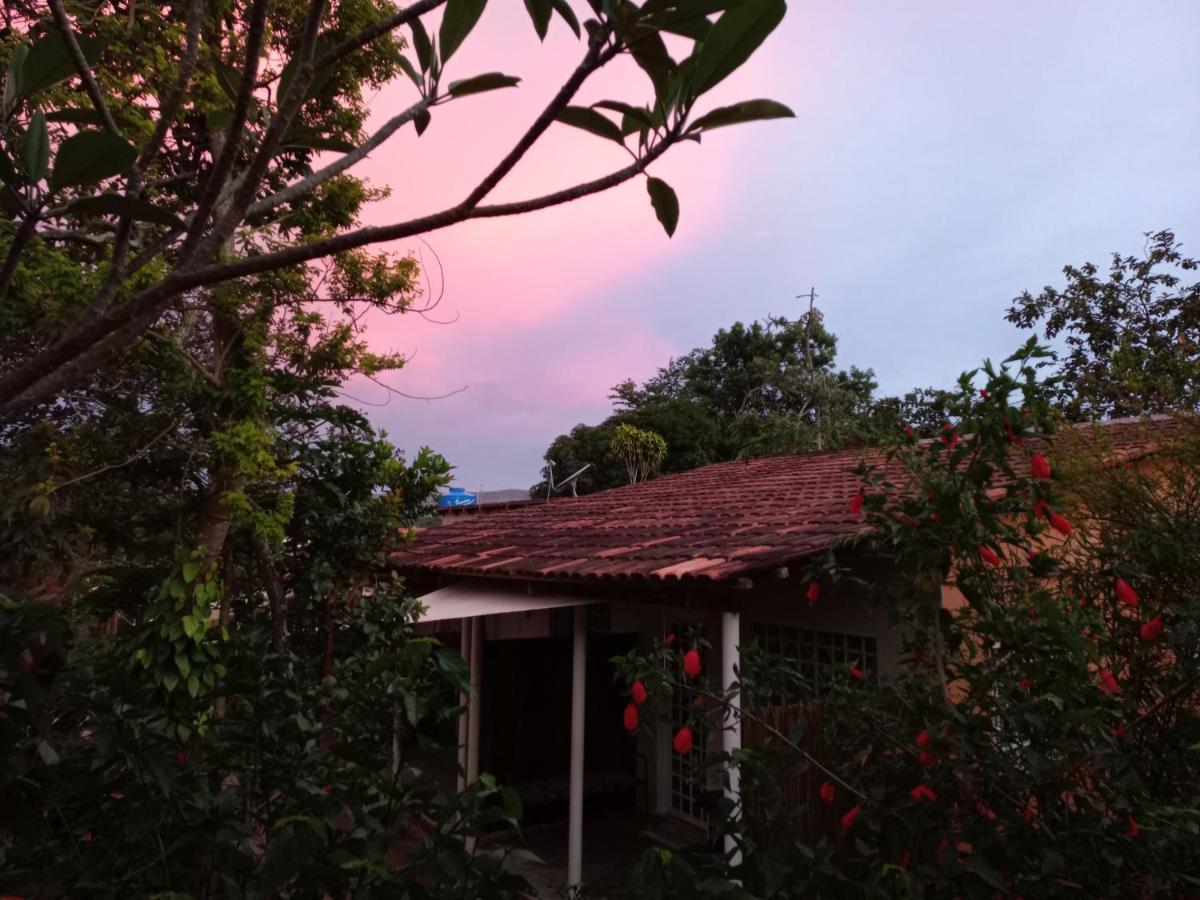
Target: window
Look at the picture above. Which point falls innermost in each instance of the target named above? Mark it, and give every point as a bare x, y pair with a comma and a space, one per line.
817, 654
688, 773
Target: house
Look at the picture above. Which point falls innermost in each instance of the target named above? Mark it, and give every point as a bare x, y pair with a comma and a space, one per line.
725, 550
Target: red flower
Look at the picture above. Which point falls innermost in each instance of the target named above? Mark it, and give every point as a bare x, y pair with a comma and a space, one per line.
327, 789
1126, 594
856, 673
1039, 465
691, 663
949, 438
683, 741
631, 718
1029, 813
922, 793
670, 639
814, 591
1152, 629
1061, 524
638, 692
983, 393
1041, 508
905, 859
181, 757
850, 818
1133, 829
856, 503
923, 738
1108, 684
927, 759
984, 810
908, 432
1119, 731
1025, 683
989, 556
827, 792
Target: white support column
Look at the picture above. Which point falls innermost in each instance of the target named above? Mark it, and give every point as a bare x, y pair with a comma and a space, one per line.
731, 737
464, 648
578, 695
473, 704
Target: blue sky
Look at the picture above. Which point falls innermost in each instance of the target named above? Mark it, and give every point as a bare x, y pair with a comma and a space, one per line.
945, 156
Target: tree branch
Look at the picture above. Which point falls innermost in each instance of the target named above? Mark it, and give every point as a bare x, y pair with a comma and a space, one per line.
81, 64
187, 68
376, 31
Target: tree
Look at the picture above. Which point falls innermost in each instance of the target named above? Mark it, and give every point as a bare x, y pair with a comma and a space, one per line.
640, 450
172, 151
1038, 743
1132, 339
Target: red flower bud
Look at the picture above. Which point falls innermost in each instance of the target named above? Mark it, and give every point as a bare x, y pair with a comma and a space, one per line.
827, 792
1041, 508
1029, 813
1126, 594
181, 757
908, 432
1133, 828
856, 503
683, 741
856, 673
1152, 629
638, 693
1119, 731
1108, 684
1025, 683
1039, 466
984, 810
983, 393
631, 718
670, 639
814, 591
691, 663
989, 556
327, 789
905, 859
850, 818
927, 759
1061, 524
921, 793
923, 738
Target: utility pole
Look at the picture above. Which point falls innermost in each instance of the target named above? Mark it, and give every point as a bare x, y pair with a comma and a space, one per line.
812, 375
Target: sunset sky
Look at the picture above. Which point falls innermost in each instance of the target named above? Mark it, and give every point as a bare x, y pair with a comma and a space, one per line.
944, 157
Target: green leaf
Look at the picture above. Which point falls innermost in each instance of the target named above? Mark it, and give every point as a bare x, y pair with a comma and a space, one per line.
219, 119
410, 70
650, 53
746, 111
733, 39
171, 680
590, 120
489, 81
539, 14
89, 157
665, 203
14, 83
563, 8
638, 114
76, 115
460, 18
318, 142
35, 148
183, 664
49, 62
421, 121
193, 686
229, 79
421, 44
189, 571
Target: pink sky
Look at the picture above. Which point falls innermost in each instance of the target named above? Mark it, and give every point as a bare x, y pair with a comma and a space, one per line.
944, 157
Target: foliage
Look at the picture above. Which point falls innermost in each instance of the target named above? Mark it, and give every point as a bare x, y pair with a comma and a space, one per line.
1132, 338
179, 149
640, 450
1040, 739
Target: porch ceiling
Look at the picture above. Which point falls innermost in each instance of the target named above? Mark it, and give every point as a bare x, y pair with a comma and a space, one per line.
466, 600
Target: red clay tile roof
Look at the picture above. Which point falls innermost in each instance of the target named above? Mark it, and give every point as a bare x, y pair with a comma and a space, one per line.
711, 524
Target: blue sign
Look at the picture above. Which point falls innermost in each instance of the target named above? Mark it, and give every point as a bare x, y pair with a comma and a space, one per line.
457, 497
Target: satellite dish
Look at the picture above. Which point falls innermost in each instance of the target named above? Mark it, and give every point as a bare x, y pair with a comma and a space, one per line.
570, 481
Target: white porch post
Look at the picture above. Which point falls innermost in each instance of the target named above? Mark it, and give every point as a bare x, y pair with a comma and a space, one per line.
731, 737
473, 703
575, 811
464, 648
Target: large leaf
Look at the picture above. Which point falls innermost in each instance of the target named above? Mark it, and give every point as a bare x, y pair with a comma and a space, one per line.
49, 62
733, 39
539, 14
633, 118
139, 208
89, 157
460, 18
665, 203
489, 81
16, 74
746, 111
306, 141
421, 121
35, 148
590, 120
650, 53
421, 44
563, 8
76, 115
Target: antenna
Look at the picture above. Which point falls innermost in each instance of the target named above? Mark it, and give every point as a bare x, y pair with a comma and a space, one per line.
812, 375
570, 481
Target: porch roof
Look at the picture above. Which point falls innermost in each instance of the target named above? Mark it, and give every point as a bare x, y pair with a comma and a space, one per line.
707, 525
